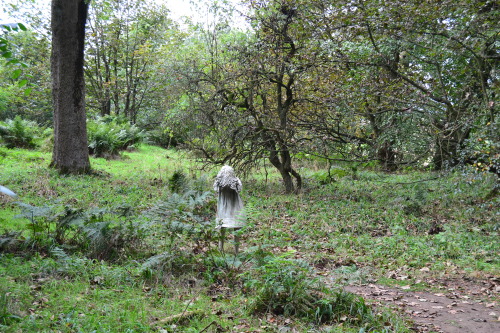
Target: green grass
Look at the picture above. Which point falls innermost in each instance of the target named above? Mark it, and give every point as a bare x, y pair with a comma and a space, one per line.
387, 221
99, 297
356, 229
136, 180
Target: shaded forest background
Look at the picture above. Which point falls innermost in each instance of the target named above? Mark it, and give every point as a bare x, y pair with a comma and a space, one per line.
394, 84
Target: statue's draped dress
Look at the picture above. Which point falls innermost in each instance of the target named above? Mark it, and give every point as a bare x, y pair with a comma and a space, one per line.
229, 204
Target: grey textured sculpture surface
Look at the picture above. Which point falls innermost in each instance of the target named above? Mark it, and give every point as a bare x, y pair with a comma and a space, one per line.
229, 204
5, 190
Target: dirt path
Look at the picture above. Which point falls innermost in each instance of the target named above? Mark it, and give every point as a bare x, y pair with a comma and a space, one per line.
461, 308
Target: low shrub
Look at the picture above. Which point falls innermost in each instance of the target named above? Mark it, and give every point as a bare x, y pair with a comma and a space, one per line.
166, 137
185, 214
182, 220
178, 183
98, 233
330, 176
282, 286
19, 133
163, 266
285, 286
107, 136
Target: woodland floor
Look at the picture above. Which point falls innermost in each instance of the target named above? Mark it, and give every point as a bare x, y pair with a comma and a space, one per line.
451, 305
426, 250
461, 306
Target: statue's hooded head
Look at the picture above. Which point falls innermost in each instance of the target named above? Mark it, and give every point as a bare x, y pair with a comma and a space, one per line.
227, 178
227, 171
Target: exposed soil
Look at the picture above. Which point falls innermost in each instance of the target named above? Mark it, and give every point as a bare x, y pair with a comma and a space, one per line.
459, 306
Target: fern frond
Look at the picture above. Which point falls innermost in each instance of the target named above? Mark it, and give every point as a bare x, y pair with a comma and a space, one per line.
28, 211
59, 254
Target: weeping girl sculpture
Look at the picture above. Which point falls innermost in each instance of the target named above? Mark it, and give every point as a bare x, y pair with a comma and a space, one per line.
229, 204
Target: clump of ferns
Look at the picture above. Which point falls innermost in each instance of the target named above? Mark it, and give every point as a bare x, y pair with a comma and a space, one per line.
98, 233
183, 217
285, 286
182, 223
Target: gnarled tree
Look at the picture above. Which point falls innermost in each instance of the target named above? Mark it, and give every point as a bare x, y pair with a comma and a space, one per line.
247, 93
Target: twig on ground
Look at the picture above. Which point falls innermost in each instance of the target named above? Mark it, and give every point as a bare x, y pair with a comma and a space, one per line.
179, 317
206, 328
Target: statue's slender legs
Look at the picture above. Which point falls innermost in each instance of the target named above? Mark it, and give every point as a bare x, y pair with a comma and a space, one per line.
236, 244
221, 239
223, 236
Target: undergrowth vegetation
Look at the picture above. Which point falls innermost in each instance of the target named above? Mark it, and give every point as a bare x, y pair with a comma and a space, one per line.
20, 133
107, 136
133, 247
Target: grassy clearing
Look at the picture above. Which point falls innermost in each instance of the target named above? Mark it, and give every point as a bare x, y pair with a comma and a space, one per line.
135, 180
388, 222
162, 270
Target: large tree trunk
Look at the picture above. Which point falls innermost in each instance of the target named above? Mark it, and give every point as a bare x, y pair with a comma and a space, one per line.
70, 154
